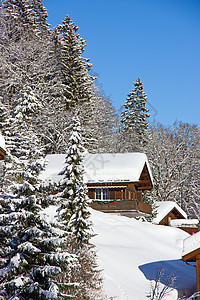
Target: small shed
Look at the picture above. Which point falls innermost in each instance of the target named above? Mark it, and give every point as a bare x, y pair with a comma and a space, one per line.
170, 213
2, 147
191, 253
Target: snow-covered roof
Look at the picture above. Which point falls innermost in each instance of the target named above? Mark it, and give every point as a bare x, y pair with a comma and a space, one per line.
191, 243
164, 207
2, 142
99, 168
184, 222
115, 167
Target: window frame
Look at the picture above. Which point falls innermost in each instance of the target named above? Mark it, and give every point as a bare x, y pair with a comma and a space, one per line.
101, 194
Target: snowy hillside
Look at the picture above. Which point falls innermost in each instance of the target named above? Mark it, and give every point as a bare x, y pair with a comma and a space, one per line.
130, 251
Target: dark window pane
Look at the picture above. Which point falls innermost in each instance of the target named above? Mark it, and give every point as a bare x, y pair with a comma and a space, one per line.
105, 193
98, 194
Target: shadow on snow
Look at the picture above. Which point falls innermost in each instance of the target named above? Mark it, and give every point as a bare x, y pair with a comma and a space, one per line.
185, 275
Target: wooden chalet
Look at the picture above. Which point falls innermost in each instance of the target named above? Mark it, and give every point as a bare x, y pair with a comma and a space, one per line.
191, 253
170, 213
115, 181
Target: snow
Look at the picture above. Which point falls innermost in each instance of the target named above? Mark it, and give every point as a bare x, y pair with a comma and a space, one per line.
184, 222
164, 207
191, 243
54, 165
28, 247
18, 282
2, 142
15, 261
128, 248
50, 214
100, 167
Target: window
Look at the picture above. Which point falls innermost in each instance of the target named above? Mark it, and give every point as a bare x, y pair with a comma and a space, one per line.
101, 194
105, 193
98, 194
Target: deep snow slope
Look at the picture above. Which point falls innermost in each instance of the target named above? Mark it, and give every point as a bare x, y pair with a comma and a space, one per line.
124, 244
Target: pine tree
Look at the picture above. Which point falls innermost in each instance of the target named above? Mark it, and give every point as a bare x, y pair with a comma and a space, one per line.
74, 212
4, 118
24, 148
76, 85
11, 167
34, 257
134, 125
72, 90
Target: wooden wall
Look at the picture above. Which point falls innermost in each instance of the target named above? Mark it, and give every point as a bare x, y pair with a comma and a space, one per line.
128, 192
126, 205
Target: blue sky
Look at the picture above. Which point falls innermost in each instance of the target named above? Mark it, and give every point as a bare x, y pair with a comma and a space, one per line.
158, 41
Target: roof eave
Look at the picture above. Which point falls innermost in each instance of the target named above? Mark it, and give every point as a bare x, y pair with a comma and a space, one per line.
191, 256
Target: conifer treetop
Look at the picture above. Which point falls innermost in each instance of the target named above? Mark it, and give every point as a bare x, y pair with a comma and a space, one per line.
134, 117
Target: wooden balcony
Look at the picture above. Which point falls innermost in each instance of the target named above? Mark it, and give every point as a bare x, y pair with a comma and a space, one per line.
122, 206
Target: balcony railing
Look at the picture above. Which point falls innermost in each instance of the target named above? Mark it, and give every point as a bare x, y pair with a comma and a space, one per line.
121, 205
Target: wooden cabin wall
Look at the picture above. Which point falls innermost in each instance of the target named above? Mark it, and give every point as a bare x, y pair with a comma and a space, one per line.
119, 193
167, 218
112, 194
91, 194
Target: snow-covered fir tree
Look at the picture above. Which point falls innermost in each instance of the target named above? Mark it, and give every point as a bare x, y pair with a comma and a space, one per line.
76, 84
74, 214
34, 259
72, 90
74, 210
11, 167
133, 134
23, 144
